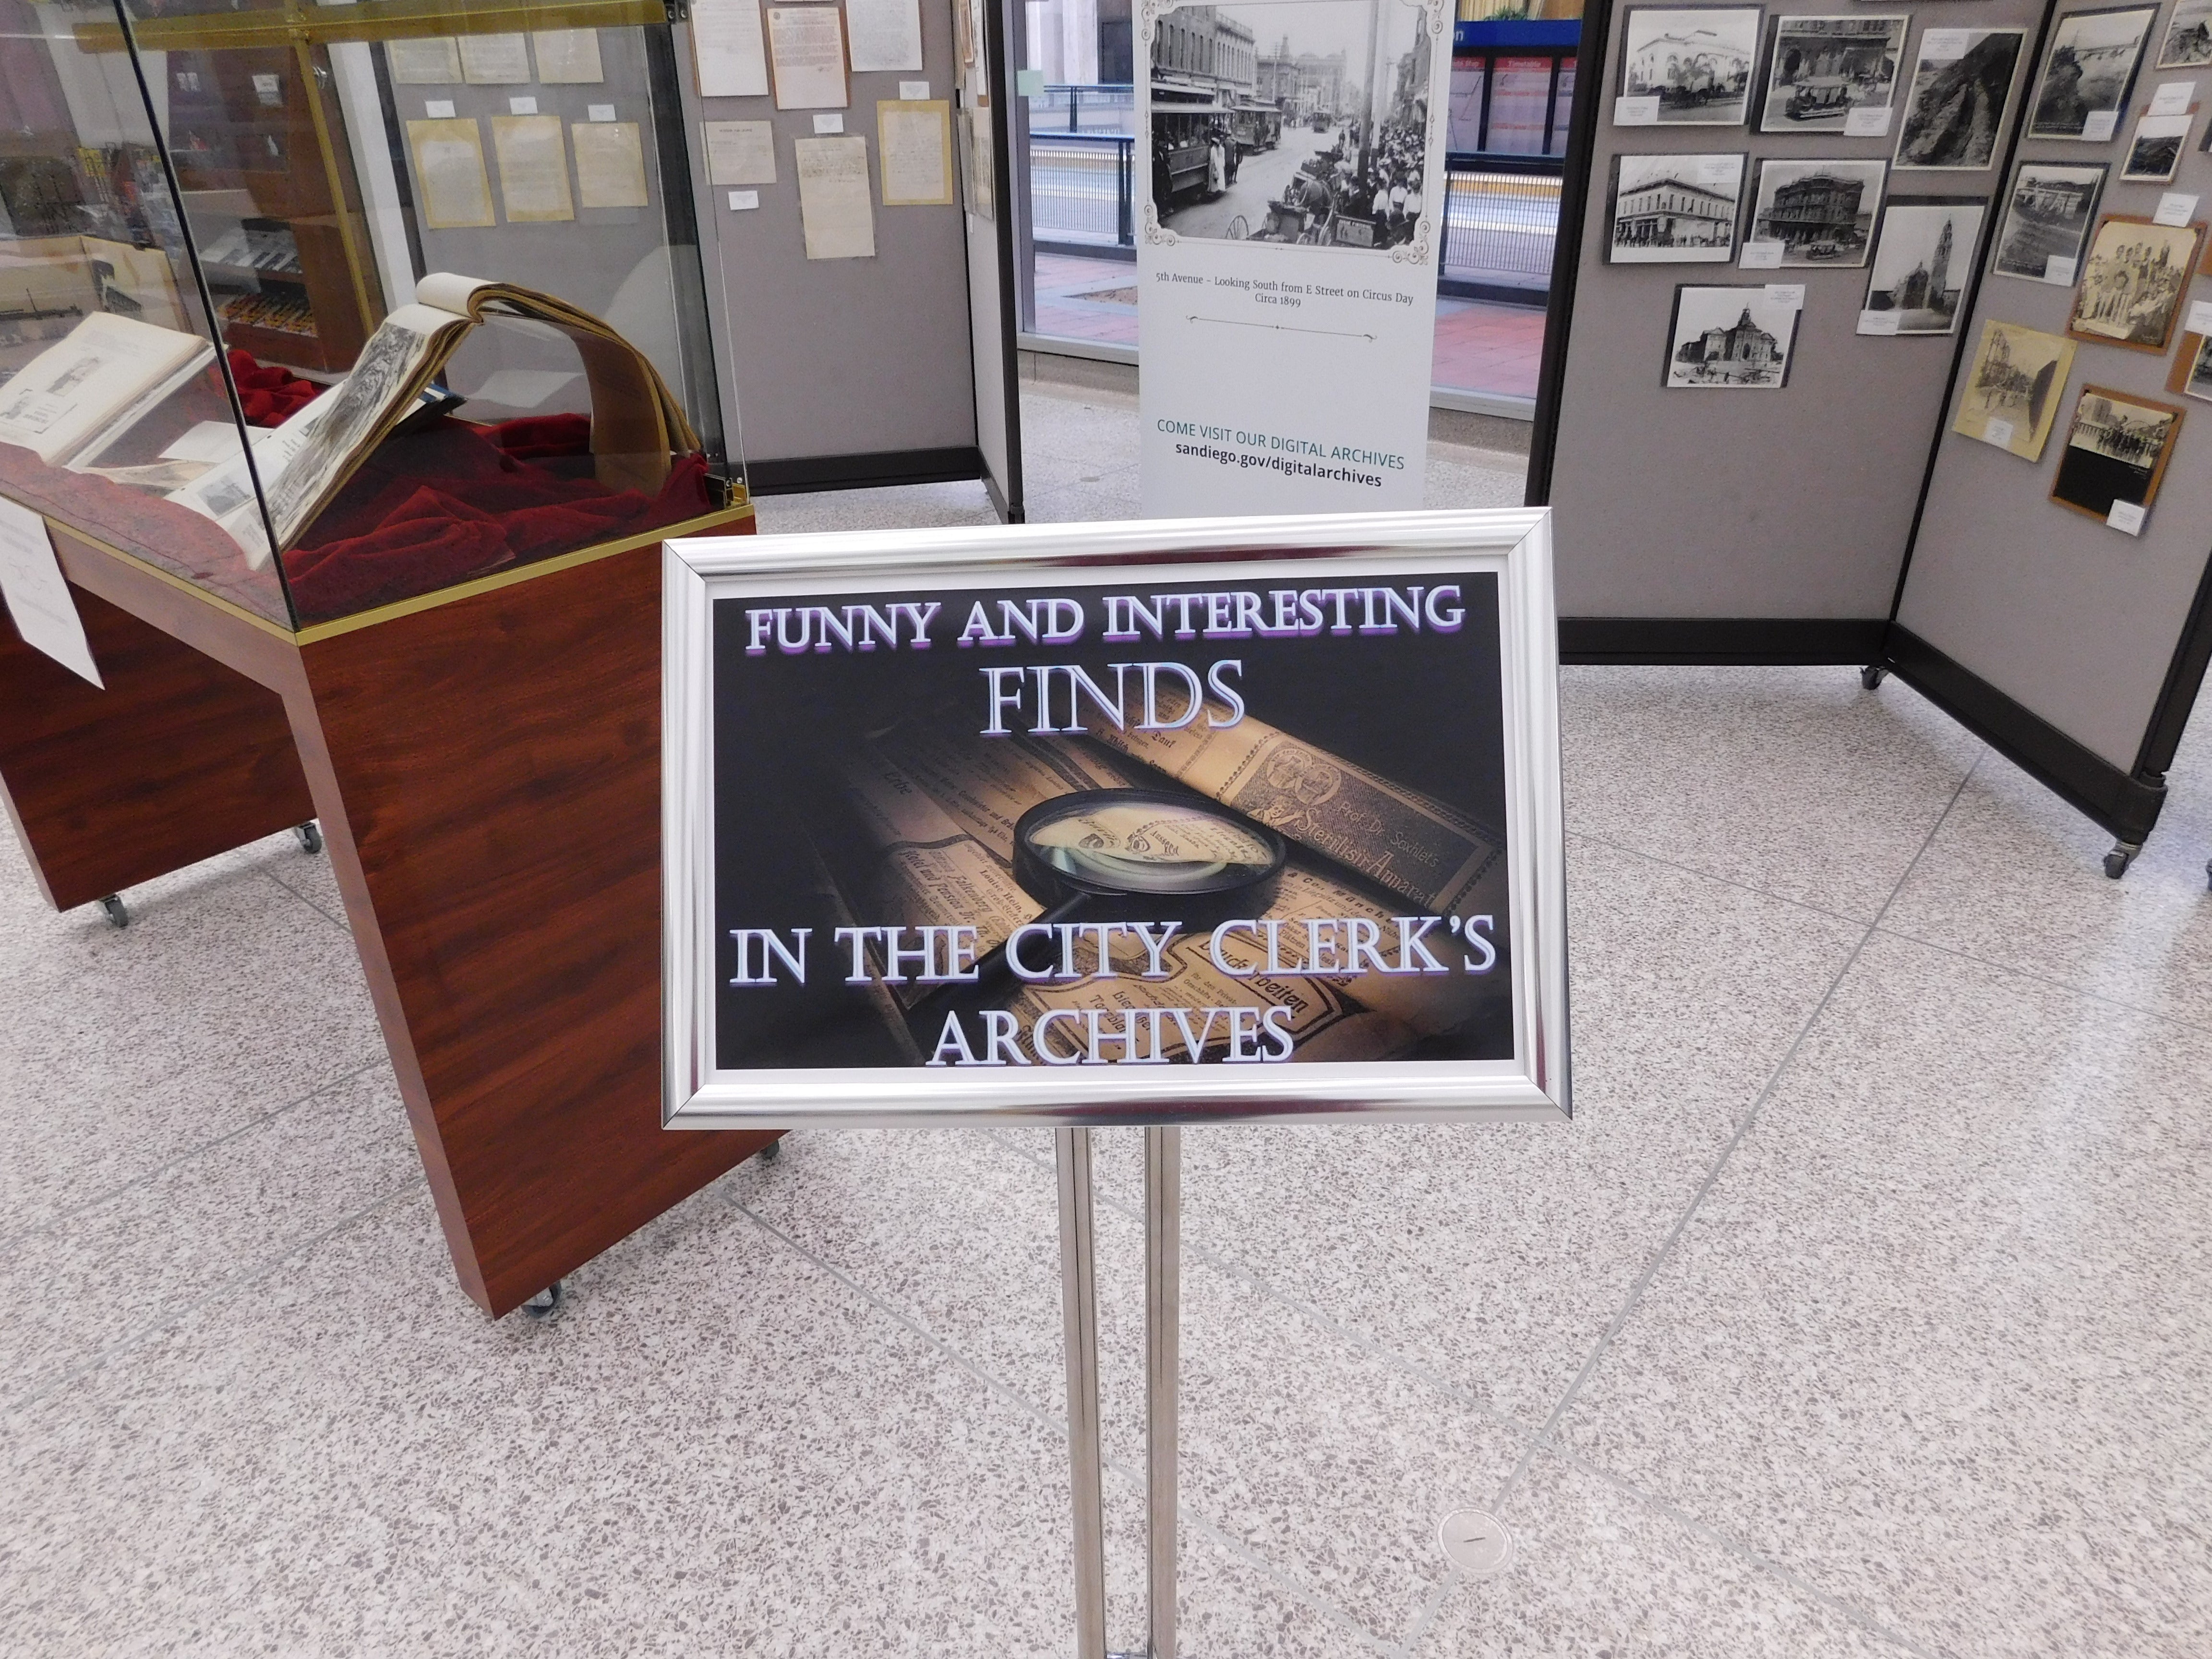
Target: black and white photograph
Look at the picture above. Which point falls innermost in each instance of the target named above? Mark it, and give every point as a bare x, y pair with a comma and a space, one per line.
1301, 122
2116, 451
1955, 110
1821, 212
1734, 337
2155, 151
2192, 368
2013, 389
2087, 73
1824, 68
1693, 65
1675, 210
1922, 256
2133, 282
2048, 214
2188, 43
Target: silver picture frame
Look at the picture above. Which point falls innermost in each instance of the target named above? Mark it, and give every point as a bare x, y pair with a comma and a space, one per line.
1514, 544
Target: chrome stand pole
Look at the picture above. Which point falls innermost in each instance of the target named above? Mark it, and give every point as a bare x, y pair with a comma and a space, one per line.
1163, 1356
1078, 1310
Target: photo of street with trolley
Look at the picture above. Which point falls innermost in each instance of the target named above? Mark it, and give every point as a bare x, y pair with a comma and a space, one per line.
1302, 122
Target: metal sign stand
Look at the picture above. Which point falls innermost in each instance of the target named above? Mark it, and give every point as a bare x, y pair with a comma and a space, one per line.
1078, 1301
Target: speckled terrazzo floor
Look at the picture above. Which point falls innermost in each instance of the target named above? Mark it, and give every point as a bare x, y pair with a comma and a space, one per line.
1859, 1311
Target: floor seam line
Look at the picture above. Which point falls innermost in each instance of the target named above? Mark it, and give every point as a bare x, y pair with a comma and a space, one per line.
9, 1241
1726, 881
244, 1280
278, 881
2011, 971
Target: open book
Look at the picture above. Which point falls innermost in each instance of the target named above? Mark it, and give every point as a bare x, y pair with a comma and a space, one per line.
80, 394
636, 424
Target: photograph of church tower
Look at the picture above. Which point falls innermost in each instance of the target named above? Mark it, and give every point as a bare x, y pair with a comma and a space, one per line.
1922, 256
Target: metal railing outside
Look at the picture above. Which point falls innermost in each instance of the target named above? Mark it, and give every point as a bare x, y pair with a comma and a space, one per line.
1103, 108
1501, 222
1082, 187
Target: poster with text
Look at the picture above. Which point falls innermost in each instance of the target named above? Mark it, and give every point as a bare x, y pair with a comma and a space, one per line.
1290, 190
1039, 831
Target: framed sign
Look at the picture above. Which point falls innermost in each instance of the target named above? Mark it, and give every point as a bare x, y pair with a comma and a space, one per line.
1160, 823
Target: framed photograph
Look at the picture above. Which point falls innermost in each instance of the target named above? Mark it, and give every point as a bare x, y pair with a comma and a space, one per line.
2048, 213
2115, 456
2188, 36
1735, 338
1922, 256
1675, 210
1826, 69
1106, 825
2192, 368
1821, 212
2133, 281
2088, 72
1956, 107
2013, 389
1688, 66
2155, 151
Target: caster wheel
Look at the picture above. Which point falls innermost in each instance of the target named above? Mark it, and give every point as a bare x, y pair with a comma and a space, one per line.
773, 1151
2207, 874
1872, 676
545, 1304
310, 835
117, 913
2117, 862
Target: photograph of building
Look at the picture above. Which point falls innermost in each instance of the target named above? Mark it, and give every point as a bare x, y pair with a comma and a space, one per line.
2047, 218
2013, 389
1696, 63
1821, 212
1675, 209
1732, 337
1921, 262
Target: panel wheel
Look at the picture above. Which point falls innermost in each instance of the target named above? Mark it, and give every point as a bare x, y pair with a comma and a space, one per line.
1872, 676
773, 1151
310, 835
545, 1304
117, 912
2117, 861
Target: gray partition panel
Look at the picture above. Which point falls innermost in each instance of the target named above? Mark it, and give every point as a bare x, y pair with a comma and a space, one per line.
839, 358
2077, 623
1707, 502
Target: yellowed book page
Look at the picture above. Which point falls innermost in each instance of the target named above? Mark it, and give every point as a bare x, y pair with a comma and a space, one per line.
914, 140
833, 197
610, 164
432, 62
806, 45
534, 168
449, 173
495, 60
740, 152
568, 57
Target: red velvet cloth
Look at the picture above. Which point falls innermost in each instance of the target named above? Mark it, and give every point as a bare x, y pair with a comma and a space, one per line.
449, 501
269, 394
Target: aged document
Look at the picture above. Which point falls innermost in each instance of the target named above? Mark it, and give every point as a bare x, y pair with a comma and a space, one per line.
534, 168
495, 60
433, 62
886, 34
725, 42
568, 57
740, 152
914, 142
610, 164
449, 173
806, 45
833, 197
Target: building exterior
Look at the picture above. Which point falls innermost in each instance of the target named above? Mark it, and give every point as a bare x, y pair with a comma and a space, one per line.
1303, 84
1742, 345
1819, 206
2055, 198
1689, 64
1200, 50
1927, 287
1670, 213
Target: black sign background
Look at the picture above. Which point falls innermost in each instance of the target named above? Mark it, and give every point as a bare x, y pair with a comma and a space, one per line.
1422, 710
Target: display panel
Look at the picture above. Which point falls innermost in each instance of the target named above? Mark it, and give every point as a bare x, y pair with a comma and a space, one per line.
1120, 822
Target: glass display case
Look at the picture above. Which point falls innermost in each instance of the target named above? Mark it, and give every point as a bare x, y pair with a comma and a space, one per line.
320, 309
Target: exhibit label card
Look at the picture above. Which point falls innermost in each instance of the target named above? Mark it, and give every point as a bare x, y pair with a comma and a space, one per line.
886, 34
38, 595
2173, 97
2199, 317
726, 44
1870, 123
1287, 296
740, 152
833, 206
806, 51
2174, 208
